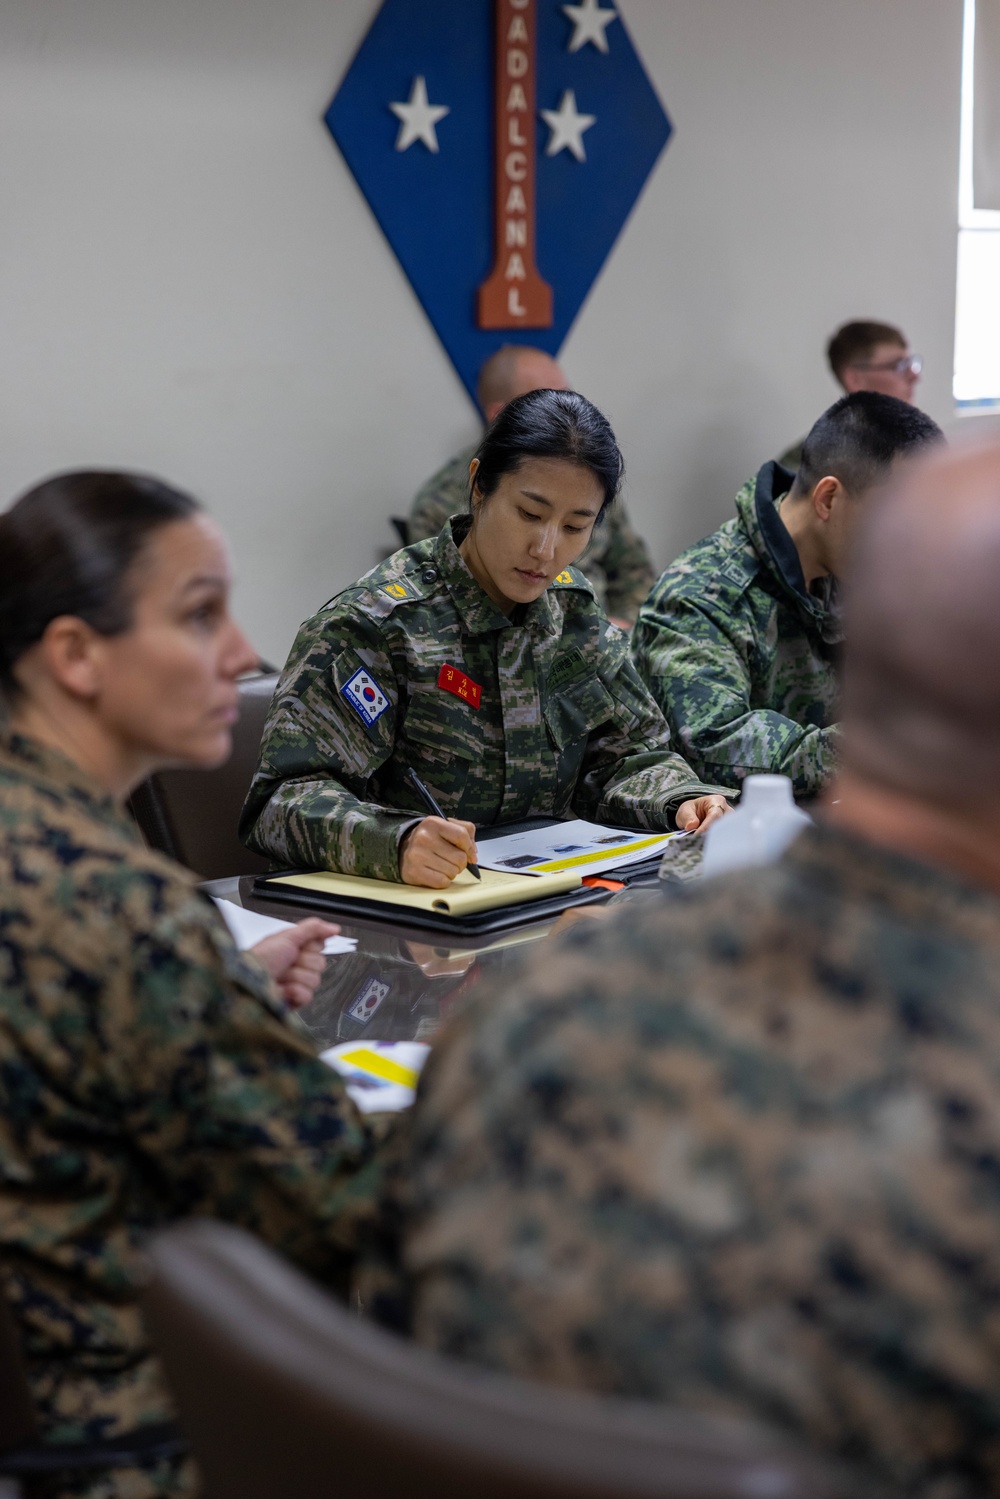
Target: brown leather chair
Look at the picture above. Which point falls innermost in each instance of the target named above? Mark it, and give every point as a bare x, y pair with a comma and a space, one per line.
284, 1393
192, 815
25, 1459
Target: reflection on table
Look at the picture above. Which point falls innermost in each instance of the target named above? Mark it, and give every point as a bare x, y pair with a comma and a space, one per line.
400, 983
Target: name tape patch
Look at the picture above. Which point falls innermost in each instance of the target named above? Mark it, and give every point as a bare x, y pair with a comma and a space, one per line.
453, 680
365, 696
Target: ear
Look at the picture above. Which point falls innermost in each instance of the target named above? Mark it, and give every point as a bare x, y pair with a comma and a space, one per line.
477, 498
852, 380
825, 495
492, 411
71, 653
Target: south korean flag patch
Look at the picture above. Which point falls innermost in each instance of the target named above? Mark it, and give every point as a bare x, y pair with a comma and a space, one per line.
365, 697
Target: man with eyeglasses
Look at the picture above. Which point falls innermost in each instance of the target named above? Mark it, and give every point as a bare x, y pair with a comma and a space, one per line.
868, 356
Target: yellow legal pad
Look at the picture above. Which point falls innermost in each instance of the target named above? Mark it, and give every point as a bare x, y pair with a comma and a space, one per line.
465, 896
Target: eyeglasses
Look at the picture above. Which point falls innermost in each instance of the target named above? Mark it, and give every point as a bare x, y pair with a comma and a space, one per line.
907, 364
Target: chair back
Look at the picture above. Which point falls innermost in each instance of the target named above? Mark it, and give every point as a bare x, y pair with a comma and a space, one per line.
282, 1391
193, 815
18, 1426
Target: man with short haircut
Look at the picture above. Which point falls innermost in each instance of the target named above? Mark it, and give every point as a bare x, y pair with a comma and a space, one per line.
868, 356
616, 562
739, 639
738, 1150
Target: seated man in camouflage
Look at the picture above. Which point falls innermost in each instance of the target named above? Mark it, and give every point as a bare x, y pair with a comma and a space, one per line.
739, 639
739, 1150
616, 562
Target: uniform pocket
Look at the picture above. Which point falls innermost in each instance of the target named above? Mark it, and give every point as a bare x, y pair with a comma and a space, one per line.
439, 746
575, 711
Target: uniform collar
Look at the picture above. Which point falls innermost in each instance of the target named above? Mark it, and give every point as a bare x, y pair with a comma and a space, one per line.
757, 508
478, 612
53, 771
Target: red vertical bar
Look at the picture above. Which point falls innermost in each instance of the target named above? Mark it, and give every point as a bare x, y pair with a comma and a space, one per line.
514, 294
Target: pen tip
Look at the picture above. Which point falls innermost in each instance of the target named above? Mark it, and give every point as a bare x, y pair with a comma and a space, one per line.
474, 870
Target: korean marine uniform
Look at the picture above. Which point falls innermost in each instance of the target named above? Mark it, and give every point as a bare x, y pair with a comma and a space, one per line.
538, 714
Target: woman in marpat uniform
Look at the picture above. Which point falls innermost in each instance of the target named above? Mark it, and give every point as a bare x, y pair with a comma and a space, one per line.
481, 659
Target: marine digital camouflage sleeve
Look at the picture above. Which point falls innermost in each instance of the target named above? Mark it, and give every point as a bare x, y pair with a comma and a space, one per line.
627, 568
308, 802
630, 773
219, 1087
696, 665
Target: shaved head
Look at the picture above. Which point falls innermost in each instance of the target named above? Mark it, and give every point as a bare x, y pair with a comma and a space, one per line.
513, 371
921, 709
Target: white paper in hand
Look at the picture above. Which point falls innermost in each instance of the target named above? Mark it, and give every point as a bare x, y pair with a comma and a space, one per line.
247, 928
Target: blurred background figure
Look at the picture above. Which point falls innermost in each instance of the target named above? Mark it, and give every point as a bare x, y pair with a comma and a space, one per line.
616, 562
868, 356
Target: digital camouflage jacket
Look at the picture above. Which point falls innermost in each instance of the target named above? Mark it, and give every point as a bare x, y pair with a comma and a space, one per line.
616, 561
148, 1072
503, 718
741, 659
738, 1151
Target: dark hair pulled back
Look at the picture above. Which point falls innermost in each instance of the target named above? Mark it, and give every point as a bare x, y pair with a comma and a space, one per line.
550, 424
67, 547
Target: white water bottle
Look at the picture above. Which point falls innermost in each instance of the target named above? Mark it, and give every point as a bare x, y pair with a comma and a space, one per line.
759, 831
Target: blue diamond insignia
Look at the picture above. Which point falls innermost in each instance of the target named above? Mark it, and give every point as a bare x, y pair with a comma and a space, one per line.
426, 166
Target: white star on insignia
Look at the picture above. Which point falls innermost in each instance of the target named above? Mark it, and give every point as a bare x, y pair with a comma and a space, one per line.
591, 24
567, 126
418, 118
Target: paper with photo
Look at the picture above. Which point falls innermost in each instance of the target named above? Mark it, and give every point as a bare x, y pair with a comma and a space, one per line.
586, 847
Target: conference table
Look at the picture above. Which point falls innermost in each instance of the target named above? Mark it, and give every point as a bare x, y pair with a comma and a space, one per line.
400, 983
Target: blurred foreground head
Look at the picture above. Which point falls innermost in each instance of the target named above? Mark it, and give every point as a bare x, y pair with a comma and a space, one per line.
921, 709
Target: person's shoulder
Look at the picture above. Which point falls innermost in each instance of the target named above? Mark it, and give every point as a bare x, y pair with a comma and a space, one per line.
404, 581
720, 567
88, 873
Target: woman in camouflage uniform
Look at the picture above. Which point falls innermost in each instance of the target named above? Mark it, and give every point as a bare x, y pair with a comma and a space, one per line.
148, 1070
482, 659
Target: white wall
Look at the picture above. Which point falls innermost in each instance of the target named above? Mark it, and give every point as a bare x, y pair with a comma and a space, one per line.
190, 282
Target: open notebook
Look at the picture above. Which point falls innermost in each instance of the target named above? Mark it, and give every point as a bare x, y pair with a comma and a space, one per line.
465, 896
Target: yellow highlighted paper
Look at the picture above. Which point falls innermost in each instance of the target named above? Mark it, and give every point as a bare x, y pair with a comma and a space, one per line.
369, 1061
465, 896
601, 855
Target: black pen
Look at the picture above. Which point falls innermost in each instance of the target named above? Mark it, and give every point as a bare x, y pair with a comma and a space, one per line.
435, 811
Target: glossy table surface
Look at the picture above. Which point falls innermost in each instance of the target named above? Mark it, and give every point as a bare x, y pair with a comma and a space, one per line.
399, 984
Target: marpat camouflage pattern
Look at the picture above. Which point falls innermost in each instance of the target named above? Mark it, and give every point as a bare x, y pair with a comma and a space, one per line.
148, 1072
738, 1151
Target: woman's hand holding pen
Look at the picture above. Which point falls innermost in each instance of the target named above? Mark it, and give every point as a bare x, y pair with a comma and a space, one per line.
435, 851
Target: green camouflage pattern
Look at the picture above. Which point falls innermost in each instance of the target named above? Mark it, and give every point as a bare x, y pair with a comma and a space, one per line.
738, 1151
564, 727
148, 1072
616, 561
740, 658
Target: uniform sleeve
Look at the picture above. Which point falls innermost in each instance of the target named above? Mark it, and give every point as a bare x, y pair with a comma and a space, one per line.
627, 567
221, 1095
309, 803
697, 666
630, 774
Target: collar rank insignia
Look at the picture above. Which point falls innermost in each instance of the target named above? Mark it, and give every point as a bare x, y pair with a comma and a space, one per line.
453, 680
501, 145
365, 697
